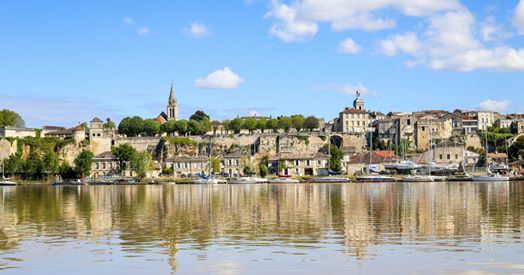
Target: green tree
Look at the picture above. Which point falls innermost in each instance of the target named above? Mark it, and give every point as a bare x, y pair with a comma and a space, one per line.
131, 126
124, 153
285, 123
109, 124
215, 165
272, 124
199, 116
33, 165
262, 124
50, 163
297, 122
311, 123
11, 118
83, 163
263, 166
181, 127
193, 127
205, 126
235, 125
14, 165
168, 127
67, 172
250, 124
141, 163
150, 127
335, 163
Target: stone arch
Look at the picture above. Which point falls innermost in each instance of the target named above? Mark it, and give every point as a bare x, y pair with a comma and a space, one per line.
336, 140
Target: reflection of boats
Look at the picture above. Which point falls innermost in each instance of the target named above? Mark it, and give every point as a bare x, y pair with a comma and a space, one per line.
260, 180
490, 177
242, 180
438, 178
375, 178
283, 180
417, 178
331, 179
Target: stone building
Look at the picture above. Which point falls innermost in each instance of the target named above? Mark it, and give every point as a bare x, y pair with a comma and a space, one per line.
232, 164
20, 132
101, 139
404, 127
386, 130
354, 120
430, 127
517, 126
484, 120
304, 164
77, 133
503, 123
188, 166
105, 164
470, 125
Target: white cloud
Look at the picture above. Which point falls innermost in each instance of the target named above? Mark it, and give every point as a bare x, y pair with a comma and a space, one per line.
220, 79
518, 17
490, 30
299, 20
289, 28
198, 30
494, 105
128, 21
347, 89
143, 30
406, 43
348, 46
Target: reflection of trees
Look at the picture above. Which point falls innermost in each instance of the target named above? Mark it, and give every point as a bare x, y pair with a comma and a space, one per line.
356, 216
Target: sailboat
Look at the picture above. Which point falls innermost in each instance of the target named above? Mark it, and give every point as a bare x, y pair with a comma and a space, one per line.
371, 177
5, 181
207, 179
489, 176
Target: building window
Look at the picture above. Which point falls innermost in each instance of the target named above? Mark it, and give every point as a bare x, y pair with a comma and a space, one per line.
308, 162
456, 156
97, 166
423, 129
409, 121
103, 165
440, 156
297, 162
449, 156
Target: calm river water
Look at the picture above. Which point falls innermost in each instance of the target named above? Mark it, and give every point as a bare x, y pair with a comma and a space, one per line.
386, 228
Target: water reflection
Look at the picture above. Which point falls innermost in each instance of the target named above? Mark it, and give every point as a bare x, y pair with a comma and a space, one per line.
163, 224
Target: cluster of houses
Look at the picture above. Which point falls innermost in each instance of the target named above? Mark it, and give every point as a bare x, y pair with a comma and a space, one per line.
445, 134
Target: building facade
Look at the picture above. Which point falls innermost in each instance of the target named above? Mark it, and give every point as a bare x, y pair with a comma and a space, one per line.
354, 120
172, 106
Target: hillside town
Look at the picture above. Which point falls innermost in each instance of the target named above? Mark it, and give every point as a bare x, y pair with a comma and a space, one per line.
357, 142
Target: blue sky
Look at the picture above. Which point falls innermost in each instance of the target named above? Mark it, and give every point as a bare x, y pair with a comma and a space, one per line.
63, 62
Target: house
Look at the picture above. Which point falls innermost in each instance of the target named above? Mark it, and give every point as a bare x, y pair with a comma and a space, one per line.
231, 164
485, 120
354, 120
77, 133
517, 126
184, 166
359, 163
503, 123
20, 132
386, 130
106, 164
430, 127
296, 164
470, 125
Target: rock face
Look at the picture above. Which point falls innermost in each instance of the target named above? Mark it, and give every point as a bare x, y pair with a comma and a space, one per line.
473, 141
5, 148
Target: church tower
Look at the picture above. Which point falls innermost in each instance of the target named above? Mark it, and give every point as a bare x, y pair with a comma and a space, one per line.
172, 108
359, 102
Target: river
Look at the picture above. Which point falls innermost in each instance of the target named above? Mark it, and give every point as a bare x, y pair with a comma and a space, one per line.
383, 228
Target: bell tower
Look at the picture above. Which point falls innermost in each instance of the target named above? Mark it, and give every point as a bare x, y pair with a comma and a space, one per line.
359, 102
172, 108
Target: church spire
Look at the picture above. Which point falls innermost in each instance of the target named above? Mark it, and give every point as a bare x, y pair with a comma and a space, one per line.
172, 99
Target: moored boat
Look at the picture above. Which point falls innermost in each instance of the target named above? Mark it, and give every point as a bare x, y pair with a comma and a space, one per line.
490, 177
331, 179
283, 180
375, 178
417, 178
242, 180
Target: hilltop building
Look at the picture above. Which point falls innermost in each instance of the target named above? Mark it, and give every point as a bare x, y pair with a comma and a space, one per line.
171, 109
354, 120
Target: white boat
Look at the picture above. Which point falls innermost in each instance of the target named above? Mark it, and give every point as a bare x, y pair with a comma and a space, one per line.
6, 182
402, 165
260, 180
205, 181
438, 178
377, 178
490, 177
283, 180
331, 179
417, 178
242, 180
